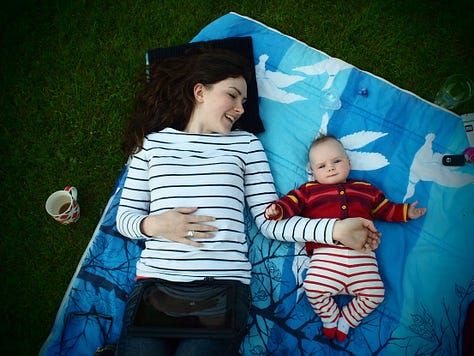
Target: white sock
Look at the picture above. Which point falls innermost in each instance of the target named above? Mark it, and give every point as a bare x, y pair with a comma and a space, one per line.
330, 325
342, 325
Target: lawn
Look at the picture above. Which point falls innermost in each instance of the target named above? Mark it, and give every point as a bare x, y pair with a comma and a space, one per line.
67, 69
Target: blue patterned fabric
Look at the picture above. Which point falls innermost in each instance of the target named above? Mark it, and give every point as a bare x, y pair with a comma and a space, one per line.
395, 140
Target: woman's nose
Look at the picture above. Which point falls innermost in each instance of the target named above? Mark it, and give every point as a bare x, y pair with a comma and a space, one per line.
239, 109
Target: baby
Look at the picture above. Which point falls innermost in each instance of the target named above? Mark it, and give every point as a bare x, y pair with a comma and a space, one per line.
335, 269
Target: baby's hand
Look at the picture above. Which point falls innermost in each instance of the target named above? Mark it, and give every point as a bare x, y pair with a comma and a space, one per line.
271, 211
414, 212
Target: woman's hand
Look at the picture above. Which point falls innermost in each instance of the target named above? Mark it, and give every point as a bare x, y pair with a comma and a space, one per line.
179, 225
357, 233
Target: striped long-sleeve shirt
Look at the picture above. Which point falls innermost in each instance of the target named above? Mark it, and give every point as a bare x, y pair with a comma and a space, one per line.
219, 174
355, 198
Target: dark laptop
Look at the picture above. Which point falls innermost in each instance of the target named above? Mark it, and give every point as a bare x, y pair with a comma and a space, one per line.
197, 309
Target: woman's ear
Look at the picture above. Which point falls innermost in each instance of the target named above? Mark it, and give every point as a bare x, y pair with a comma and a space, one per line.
199, 89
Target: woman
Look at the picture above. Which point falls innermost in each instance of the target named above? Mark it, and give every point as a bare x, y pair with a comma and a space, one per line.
189, 179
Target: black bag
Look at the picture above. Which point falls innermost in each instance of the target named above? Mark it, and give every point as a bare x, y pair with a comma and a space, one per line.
203, 309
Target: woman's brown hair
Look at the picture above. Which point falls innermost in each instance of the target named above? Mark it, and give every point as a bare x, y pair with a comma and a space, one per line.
166, 98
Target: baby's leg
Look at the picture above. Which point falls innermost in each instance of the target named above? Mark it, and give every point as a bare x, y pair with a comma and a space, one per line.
321, 284
368, 290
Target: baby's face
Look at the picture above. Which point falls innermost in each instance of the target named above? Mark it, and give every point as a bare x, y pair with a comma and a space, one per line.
329, 163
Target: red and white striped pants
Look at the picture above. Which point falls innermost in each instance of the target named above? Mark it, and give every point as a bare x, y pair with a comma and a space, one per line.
340, 270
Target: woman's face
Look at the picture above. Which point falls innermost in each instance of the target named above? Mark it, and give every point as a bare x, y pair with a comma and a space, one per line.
218, 106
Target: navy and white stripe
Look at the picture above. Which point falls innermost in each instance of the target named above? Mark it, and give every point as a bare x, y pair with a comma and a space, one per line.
218, 174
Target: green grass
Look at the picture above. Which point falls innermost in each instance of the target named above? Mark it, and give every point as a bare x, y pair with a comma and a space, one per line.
66, 73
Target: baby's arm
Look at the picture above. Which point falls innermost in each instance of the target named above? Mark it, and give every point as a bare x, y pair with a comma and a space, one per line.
414, 212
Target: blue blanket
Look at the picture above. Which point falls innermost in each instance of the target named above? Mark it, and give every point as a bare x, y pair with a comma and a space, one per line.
395, 140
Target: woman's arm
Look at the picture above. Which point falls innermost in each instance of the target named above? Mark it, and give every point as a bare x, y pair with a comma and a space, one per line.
357, 233
134, 203
133, 219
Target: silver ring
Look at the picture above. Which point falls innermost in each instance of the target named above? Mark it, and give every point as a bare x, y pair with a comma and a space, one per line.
190, 233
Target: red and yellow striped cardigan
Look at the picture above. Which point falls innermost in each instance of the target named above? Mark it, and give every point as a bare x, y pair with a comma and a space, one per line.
355, 198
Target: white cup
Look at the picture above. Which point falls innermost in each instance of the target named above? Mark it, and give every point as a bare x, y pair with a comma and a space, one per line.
62, 206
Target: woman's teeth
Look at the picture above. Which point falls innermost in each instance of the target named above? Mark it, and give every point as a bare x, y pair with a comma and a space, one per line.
230, 118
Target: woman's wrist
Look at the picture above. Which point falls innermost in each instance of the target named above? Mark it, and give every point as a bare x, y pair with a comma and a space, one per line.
336, 232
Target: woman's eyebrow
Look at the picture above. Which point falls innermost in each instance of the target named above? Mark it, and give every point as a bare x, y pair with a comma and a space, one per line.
232, 87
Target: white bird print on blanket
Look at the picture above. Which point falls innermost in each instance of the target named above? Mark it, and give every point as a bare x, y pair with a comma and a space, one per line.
331, 66
361, 161
364, 161
427, 166
270, 83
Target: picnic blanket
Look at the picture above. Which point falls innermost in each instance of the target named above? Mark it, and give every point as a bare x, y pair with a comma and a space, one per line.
395, 140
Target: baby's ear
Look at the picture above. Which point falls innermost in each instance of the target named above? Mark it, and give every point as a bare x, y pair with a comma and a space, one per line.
309, 172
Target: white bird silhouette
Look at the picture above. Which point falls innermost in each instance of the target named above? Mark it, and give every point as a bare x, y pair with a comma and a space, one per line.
364, 161
427, 166
361, 161
269, 83
324, 124
331, 66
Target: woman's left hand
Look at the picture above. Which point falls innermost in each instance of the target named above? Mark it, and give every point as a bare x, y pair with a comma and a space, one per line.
357, 233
